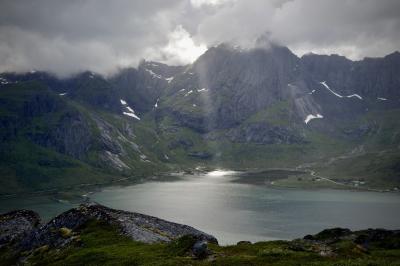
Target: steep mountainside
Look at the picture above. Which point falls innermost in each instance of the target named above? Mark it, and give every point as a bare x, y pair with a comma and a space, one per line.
238, 108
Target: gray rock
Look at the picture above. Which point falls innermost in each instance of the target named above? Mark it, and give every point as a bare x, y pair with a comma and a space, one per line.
16, 225
200, 249
138, 227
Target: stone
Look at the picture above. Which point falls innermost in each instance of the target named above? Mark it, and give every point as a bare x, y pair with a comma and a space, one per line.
200, 249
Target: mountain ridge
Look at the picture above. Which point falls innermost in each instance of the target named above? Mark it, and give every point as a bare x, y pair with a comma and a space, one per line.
231, 107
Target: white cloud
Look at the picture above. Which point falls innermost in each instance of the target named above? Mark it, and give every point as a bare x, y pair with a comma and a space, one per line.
181, 49
70, 36
200, 3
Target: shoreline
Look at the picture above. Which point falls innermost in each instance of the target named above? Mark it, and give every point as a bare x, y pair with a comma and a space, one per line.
78, 190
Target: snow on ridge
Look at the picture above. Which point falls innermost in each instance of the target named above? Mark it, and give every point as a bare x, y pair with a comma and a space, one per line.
4, 81
131, 112
153, 74
203, 89
189, 92
381, 99
131, 115
355, 95
311, 117
169, 79
327, 87
337, 94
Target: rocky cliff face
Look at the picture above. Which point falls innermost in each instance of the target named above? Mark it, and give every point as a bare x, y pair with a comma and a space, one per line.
142, 118
22, 229
370, 77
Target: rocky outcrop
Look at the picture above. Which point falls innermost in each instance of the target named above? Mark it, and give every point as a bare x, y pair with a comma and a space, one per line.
21, 228
335, 241
370, 77
17, 225
71, 135
261, 133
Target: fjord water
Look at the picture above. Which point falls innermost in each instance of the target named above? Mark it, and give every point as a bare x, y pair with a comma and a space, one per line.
232, 211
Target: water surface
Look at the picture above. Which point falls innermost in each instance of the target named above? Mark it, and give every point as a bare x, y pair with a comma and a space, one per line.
233, 211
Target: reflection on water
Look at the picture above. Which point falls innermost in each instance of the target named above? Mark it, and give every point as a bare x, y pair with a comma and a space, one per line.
233, 211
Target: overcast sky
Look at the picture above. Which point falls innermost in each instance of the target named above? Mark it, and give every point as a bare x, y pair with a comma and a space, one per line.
67, 36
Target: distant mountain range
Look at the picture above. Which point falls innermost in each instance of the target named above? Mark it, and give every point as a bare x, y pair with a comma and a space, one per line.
238, 108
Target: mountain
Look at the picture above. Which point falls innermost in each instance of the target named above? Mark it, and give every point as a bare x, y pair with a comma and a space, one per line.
240, 108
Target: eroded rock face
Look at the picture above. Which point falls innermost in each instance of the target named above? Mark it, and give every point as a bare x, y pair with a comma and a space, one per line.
22, 227
328, 243
16, 225
261, 133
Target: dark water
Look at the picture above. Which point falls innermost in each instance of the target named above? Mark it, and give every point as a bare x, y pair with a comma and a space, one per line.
233, 211
46, 207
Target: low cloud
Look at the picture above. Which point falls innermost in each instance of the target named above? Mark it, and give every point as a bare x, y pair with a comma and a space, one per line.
66, 37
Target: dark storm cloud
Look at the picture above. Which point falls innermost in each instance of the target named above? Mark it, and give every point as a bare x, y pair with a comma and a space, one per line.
70, 36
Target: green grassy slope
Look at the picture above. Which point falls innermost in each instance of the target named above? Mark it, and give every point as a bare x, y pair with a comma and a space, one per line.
100, 244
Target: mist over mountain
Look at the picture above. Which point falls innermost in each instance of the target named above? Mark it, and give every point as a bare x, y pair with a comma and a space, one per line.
260, 107
200, 132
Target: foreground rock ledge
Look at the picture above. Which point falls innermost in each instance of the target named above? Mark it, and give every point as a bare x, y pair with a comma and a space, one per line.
24, 231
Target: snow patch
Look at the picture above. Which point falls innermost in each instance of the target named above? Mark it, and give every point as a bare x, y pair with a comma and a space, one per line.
355, 95
4, 81
311, 117
130, 109
62, 94
169, 79
311, 92
203, 89
131, 112
131, 115
337, 94
156, 104
189, 92
327, 87
153, 74
381, 99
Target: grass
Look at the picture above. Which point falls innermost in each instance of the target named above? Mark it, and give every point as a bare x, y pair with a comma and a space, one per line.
278, 115
100, 244
27, 166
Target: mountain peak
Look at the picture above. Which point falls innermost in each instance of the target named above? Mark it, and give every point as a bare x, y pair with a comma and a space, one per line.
395, 54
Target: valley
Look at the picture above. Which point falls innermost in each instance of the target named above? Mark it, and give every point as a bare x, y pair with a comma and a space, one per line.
253, 109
